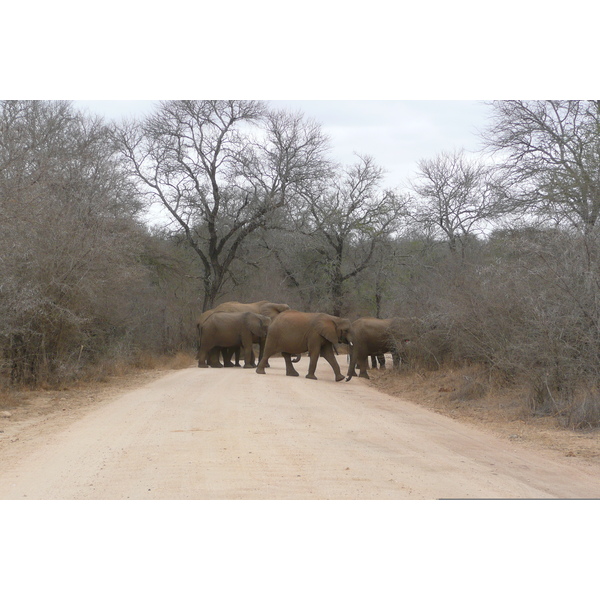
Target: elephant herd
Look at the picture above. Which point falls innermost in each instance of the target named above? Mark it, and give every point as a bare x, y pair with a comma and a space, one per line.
232, 329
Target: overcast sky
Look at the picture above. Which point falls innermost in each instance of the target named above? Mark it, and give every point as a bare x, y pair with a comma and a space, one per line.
396, 133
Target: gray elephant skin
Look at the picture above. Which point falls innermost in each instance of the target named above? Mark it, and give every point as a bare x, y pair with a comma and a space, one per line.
230, 330
263, 307
295, 332
370, 336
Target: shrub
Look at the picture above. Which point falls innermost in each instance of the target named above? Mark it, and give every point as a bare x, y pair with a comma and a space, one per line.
527, 308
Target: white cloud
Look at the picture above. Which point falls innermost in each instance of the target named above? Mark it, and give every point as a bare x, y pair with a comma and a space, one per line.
396, 133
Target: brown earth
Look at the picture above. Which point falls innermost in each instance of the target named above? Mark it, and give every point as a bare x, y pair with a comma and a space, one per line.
232, 434
503, 412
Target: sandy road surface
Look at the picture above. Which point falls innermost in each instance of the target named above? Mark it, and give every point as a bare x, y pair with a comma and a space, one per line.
233, 434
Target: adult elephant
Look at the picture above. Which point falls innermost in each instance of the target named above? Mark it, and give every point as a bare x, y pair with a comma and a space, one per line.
230, 330
295, 332
263, 307
369, 336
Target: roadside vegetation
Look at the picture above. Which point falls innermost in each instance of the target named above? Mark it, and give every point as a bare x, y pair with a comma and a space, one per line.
495, 257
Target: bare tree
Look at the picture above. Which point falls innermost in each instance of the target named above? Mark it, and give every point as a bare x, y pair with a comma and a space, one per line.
68, 238
550, 157
222, 169
456, 197
349, 215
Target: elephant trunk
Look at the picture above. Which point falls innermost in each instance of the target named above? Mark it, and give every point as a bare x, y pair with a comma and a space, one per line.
352, 361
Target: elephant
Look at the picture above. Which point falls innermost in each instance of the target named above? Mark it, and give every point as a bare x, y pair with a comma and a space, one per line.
377, 361
369, 336
263, 307
230, 330
234, 354
295, 332
230, 354
378, 358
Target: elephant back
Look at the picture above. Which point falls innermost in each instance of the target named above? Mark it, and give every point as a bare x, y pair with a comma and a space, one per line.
263, 307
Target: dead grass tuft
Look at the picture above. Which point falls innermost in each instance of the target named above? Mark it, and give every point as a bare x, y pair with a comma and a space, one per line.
485, 400
141, 362
180, 360
6, 400
101, 372
470, 385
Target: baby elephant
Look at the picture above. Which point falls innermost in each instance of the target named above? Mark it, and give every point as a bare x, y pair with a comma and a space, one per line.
370, 336
231, 330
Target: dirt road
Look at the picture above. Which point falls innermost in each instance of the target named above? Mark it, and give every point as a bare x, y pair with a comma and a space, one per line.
233, 434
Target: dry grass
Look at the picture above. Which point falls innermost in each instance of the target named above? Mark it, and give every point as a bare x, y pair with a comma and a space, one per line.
109, 368
472, 396
170, 362
104, 372
6, 399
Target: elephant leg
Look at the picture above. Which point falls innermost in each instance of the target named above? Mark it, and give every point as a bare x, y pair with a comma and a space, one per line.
252, 359
261, 351
248, 353
227, 354
264, 361
213, 358
381, 360
201, 356
313, 358
362, 361
328, 354
289, 367
271, 347
205, 357
253, 355
238, 353
374, 361
351, 364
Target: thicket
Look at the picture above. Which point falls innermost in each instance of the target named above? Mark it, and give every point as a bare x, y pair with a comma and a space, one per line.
494, 260
524, 305
523, 299
82, 281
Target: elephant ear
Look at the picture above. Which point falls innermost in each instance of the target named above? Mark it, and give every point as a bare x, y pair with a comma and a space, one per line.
342, 330
326, 329
256, 323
